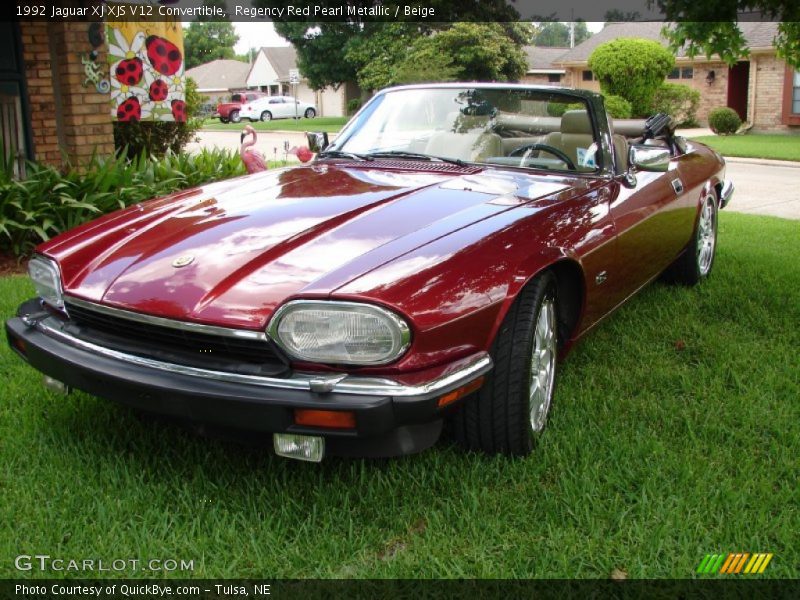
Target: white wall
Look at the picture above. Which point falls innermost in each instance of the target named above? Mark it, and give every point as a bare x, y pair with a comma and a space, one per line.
262, 72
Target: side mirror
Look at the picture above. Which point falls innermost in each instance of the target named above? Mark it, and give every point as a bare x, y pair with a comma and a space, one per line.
649, 158
317, 141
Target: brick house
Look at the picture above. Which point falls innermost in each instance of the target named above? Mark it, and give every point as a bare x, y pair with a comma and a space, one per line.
218, 78
762, 88
542, 65
45, 109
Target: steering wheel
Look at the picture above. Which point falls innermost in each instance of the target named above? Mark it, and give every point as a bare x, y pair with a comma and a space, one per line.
524, 151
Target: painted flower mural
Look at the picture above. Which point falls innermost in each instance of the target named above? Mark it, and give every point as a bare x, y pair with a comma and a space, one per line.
147, 71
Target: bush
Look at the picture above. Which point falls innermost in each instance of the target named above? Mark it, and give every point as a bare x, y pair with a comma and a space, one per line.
617, 107
632, 68
353, 105
49, 202
678, 101
724, 121
156, 138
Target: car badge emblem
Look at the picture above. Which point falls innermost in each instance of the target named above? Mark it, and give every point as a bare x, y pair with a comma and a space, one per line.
183, 261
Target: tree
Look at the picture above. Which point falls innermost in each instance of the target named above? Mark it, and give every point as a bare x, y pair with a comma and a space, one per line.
632, 68
618, 16
205, 41
556, 34
323, 47
698, 33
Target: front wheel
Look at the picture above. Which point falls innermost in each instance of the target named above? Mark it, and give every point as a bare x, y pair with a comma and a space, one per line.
509, 413
266, 116
310, 113
235, 117
695, 264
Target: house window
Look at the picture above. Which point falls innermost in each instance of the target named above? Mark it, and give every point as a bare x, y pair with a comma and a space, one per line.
791, 97
687, 73
14, 129
587, 75
554, 78
674, 74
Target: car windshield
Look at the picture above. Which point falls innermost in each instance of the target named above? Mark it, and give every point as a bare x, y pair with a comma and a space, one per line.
514, 127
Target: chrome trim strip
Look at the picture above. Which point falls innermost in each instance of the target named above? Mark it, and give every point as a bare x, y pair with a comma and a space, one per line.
120, 313
727, 192
366, 386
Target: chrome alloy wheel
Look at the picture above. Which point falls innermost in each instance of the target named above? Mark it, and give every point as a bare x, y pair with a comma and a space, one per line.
543, 364
707, 237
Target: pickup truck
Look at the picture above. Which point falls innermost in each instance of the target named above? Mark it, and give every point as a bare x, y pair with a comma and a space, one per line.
230, 111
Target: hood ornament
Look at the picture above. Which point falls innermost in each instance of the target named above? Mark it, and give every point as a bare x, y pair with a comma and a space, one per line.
183, 261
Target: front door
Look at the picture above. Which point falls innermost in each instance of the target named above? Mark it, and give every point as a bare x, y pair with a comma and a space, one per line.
15, 144
738, 80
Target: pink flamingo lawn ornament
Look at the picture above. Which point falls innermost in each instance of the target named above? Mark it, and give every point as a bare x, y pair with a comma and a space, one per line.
302, 153
253, 160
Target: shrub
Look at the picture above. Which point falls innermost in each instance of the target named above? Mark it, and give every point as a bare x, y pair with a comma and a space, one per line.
678, 101
156, 138
724, 121
617, 107
353, 105
48, 202
632, 68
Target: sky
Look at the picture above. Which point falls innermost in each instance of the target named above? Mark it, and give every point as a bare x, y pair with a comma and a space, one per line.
256, 35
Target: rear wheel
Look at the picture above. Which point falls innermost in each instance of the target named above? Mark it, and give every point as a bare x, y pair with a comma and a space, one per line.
266, 116
310, 113
234, 116
509, 413
695, 264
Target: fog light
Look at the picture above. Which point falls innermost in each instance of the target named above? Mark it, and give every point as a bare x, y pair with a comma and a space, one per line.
54, 385
301, 447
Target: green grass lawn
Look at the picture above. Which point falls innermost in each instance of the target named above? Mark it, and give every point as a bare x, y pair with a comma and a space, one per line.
755, 145
329, 124
675, 433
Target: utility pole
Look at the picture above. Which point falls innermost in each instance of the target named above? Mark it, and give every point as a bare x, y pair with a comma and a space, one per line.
572, 34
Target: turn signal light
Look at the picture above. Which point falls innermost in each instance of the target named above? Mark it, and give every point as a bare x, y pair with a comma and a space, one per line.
460, 392
332, 419
19, 345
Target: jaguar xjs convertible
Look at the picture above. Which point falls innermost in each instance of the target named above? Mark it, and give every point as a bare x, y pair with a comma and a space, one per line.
433, 263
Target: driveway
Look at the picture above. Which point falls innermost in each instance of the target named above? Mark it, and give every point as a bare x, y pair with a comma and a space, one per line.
763, 187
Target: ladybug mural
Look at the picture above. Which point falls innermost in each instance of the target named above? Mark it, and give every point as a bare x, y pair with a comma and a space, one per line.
163, 55
179, 111
130, 110
129, 71
158, 91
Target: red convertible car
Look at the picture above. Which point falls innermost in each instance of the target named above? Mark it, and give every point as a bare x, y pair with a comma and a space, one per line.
434, 262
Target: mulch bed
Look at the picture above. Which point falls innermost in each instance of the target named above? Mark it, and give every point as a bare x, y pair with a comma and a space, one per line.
11, 265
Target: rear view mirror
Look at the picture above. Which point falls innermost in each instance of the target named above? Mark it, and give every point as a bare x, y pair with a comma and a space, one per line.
649, 158
317, 141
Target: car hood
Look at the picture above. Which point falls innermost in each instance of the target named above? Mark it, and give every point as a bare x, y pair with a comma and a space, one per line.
231, 252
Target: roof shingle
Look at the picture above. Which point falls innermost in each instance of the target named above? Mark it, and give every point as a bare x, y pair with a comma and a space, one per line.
220, 74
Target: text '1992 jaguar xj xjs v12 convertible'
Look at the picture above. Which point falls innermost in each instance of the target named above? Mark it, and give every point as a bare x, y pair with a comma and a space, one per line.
434, 262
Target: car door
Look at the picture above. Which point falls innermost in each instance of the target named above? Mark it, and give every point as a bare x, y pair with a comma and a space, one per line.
652, 222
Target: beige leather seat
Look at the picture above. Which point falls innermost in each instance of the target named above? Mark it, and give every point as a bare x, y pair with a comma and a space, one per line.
471, 147
621, 150
576, 134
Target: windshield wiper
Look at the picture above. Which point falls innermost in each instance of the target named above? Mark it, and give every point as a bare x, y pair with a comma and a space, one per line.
341, 154
404, 154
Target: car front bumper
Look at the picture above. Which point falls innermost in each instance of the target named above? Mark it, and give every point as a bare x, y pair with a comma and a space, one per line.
726, 194
391, 418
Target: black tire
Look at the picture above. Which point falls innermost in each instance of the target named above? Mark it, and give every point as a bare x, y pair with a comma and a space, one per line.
266, 116
223, 120
234, 116
696, 262
310, 113
497, 419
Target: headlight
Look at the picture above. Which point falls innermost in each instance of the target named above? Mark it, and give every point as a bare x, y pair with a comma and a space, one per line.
339, 332
47, 281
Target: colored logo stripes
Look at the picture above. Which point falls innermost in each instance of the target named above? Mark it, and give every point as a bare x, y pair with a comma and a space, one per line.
734, 563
